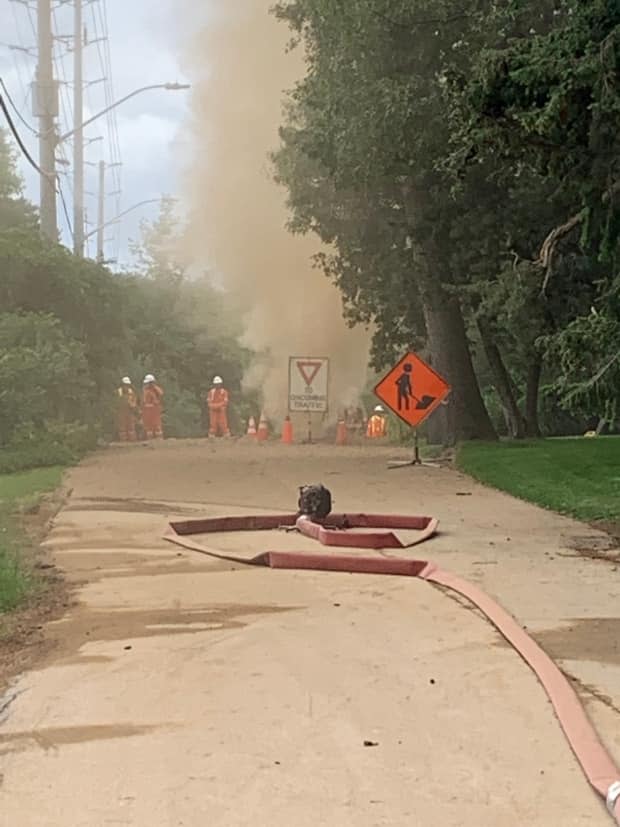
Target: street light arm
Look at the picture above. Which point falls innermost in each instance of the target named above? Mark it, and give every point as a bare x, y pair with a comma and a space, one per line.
121, 215
169, 86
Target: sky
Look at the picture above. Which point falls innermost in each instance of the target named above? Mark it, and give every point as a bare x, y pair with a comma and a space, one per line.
146, 134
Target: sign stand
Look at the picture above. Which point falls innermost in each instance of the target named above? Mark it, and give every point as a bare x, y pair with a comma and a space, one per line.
417, 460
308, 385
413, 391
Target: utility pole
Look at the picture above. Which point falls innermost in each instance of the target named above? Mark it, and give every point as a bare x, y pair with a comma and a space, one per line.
45, 105
101, 214
78, 138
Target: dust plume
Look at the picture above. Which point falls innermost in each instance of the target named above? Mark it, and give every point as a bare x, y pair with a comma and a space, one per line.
239, 69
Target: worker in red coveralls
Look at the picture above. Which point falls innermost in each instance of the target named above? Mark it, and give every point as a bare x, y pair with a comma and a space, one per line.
377, 424
217, 402
128, 411
152, 398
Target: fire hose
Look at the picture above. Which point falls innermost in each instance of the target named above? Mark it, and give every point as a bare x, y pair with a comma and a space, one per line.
336, 531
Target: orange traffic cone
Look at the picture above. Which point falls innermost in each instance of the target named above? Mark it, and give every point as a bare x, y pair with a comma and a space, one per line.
263, 429
252, 428
287, 431
341, 433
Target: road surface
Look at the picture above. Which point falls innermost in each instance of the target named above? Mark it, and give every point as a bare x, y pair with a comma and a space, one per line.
181, 691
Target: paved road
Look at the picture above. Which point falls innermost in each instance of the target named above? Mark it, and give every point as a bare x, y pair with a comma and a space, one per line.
183, 692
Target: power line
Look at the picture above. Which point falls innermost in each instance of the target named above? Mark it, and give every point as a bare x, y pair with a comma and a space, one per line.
65, 209
17, 137
22, 50
60, 51
7, 95
32, 162
102, 41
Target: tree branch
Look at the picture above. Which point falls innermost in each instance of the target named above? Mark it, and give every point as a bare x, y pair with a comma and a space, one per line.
547, 251
596, 378
606, 367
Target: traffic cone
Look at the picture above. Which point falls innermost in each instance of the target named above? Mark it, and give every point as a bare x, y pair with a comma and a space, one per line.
287, 431
252, 428
341, 433
263, 429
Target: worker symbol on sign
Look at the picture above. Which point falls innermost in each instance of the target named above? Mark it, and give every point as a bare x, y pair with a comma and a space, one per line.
405, 392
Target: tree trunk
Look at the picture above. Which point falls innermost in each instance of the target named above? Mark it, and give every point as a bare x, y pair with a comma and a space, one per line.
531, 395
465, 416
437, 428
503, 384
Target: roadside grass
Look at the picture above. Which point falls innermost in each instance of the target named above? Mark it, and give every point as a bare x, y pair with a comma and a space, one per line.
19, 493
574, 476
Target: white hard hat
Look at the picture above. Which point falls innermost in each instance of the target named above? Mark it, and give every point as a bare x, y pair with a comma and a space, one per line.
379, 409
218, 380
149, 378
126, 380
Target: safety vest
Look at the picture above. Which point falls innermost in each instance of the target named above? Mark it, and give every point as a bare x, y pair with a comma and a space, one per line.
217, 398
377, 427
128, 397
152, 396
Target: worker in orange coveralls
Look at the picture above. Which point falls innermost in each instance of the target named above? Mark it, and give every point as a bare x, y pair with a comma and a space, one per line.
217, 402
152, 396
128, 411
377, 424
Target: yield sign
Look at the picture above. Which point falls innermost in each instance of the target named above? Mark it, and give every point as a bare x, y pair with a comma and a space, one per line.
309, 370
412, 390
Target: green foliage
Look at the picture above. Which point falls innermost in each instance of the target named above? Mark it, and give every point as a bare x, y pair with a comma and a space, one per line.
28, 484
70, 329
58, 444
366, 130
353, 147
14, 209
550, 100
17, 579
588, 354
182, 412
546, 103
433, 151
573, 476
43, 373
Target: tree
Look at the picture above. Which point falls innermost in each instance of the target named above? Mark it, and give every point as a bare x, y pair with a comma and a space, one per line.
158, 250
547, 104
44, 375
550, 101
15, 211
368, 117
71, 328
180, 327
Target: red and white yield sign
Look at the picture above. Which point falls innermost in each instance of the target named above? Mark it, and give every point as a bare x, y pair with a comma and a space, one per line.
412, 390
308, 379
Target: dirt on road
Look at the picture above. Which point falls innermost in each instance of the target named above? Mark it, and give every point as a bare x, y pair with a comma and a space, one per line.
181, 690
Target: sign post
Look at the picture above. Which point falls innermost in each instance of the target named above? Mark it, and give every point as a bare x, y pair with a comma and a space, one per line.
308, 382
412, 390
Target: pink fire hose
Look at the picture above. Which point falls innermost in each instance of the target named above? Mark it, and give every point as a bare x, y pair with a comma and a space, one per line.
596, 763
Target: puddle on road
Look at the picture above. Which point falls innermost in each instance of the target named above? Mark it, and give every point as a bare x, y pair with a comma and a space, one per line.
129, 506
88, 625
74, 542
52, 738
596, 639
594, 547
92, 567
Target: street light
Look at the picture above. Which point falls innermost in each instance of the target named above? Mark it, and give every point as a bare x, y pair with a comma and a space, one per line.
169, 87
98, 230
78, 171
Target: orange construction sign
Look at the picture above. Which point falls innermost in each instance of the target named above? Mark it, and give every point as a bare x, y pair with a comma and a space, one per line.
412, 390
